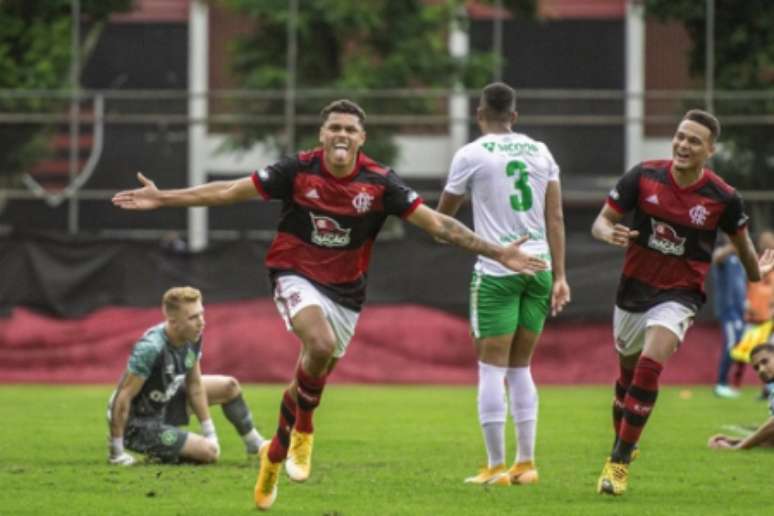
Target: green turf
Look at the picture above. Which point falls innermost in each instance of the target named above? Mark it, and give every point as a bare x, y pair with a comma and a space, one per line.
387, 450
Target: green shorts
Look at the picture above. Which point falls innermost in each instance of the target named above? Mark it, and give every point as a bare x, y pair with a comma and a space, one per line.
155, 438
500, 304
160, 439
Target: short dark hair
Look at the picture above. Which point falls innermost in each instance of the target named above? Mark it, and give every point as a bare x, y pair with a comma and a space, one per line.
766, 346
706, 119
498, 101
343, 106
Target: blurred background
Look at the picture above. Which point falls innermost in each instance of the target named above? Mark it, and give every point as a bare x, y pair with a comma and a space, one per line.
189, 91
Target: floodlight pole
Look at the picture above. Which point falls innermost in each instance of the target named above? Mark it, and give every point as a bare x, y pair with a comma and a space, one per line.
198, 44
709, 58
290, 86
459, 46
635, 82
75, 66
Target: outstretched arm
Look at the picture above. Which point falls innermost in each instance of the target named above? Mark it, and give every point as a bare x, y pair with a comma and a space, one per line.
763, 436
608, 228
560, 294
450, 230
215, 193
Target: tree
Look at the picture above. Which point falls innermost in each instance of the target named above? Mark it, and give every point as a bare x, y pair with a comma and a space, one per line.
744, 60
353, 46
35, 55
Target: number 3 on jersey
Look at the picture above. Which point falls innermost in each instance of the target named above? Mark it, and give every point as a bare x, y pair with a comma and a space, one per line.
523, 200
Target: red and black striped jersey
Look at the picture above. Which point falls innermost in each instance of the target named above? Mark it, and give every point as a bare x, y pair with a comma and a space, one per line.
328, 224
670, 257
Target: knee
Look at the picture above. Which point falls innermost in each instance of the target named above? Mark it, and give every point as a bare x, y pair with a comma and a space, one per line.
210, 453
320, 348
232, 388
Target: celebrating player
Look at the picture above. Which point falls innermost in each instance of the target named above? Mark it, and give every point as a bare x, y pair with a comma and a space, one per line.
162, 379
514, 186
335, 200
678, 207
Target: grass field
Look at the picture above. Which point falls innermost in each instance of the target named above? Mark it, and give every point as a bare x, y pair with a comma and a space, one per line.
384, 451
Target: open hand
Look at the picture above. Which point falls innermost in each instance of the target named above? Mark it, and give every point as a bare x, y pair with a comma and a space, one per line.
766, 261
519, 261
145, 198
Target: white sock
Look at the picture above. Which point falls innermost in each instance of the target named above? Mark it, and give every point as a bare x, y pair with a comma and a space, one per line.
253, 440
524, 409
492, 411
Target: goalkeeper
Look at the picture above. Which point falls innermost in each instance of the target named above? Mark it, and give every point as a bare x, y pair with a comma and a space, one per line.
163, 378
762, 360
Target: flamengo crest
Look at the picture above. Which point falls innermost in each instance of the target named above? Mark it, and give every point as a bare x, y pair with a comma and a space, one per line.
698, 214
362, 202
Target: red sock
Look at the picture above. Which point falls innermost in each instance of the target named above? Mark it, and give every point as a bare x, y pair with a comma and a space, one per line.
638, 404
287, 418
309, 393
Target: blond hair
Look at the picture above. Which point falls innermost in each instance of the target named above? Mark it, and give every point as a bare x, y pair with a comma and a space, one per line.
177, 296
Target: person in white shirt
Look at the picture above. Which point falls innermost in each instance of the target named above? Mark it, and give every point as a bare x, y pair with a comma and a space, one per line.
513, 182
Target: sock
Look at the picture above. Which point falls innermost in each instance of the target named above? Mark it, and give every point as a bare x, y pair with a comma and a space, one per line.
491, 411
736, 382
309, 393
621, 386
638, 404
524, 409
287, 418
238, 414
253, 441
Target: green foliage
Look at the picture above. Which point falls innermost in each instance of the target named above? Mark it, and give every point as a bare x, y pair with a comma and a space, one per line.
388, 451
35, 55
744, 60
356, 46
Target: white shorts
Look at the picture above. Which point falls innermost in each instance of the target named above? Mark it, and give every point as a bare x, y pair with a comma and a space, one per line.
629, 327
294, 293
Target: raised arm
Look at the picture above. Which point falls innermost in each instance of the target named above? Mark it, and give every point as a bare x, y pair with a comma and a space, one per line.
560, 294
754, 266
119, 414
454, 232
215, 193
607, 227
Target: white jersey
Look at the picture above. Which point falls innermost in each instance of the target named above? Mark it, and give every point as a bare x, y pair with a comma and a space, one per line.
507, 175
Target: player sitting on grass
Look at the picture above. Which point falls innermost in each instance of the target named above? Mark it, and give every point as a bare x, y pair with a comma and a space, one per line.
762, 360
163, 378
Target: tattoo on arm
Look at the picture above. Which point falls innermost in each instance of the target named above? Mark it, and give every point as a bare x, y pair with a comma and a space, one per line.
457, 233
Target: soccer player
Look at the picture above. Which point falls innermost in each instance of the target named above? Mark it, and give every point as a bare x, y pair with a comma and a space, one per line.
678, 207
762, 360
335, 200
729, 283
513, 182
162, 379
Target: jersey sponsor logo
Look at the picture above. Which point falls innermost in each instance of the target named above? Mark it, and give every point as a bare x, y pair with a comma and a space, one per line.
312, 193
327, 232
665, 239
653, 199
362, 202
489, 146
512, 148
163, 397
698, 214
